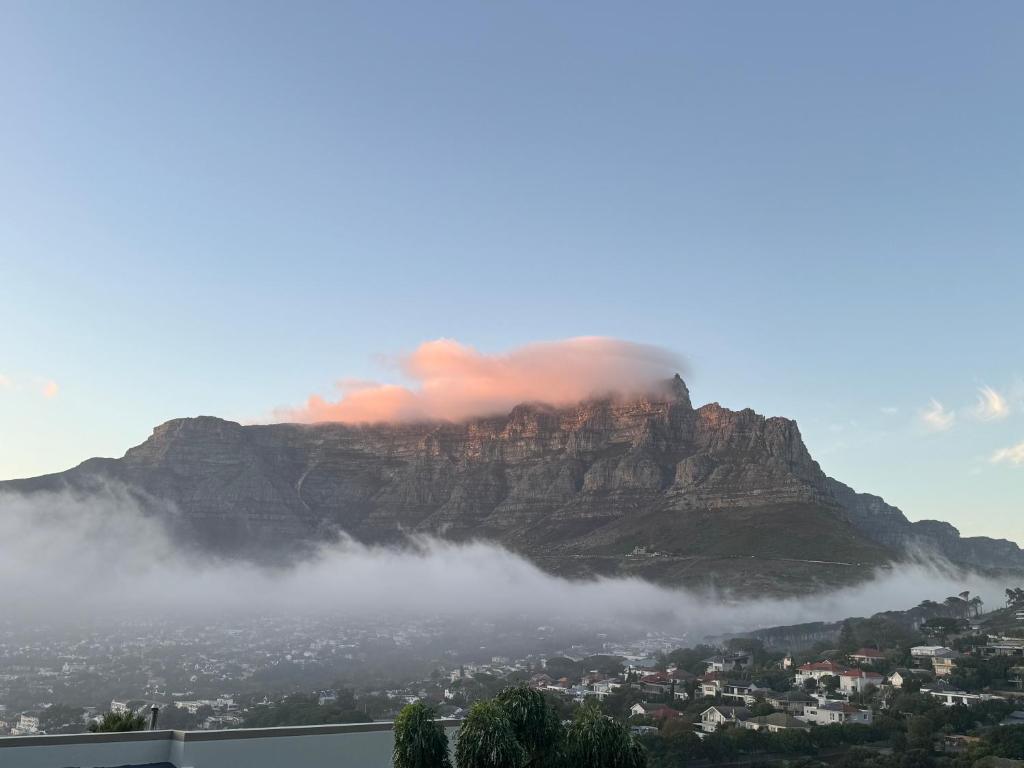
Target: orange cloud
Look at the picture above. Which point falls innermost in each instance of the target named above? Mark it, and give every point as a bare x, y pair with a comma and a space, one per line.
50, 389
455, 382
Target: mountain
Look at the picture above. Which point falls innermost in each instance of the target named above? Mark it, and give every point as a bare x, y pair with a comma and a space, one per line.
648, 486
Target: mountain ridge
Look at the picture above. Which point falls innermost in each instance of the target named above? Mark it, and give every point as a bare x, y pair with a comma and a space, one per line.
647, 486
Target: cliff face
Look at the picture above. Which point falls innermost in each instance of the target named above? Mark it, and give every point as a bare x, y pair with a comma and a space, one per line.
715, 496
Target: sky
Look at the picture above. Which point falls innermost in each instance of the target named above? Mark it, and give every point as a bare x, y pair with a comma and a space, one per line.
209, 208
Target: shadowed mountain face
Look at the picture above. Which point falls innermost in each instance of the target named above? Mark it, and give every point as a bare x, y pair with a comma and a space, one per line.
714, 496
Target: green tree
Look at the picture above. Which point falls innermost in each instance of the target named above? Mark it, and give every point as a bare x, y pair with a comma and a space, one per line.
597, 741
420, 741
534, 723
119, 721
487, 739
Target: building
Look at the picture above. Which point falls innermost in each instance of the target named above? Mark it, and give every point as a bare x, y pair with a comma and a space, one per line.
779, 721
730, 662
923, 654
857, 680
831, 712
27, 725
742, 693
722, 716
817, 670
900, 677
654, 711
953, 698
790, 702
867, 656
1003, 646
944, 665
1015, 676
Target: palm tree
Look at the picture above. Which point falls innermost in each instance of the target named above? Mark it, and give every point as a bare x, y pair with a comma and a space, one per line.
597, 741
119, 721
487, 740
420, 741
534, 723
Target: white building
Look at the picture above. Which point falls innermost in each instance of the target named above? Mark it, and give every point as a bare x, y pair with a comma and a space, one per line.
951, 698
832, 712
27, 726
718, 716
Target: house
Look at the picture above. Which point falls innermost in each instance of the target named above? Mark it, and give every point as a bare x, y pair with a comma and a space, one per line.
867, 656
778, 721
898, 678
856, 680
831, 712
722, 716
817, 670
654, 711
924, 653
944, 665
710, 685
28, 725
790, 702
951, 698
1003, 646
1015, 676
742, 693
730, 662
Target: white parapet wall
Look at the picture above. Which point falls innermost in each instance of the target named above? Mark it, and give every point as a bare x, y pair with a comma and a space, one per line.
357, 745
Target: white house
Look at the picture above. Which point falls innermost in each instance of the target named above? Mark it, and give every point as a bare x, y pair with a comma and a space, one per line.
952, 698
831, 712
27, 726
817, 670
899, 678
730, 662
856, 680
742, 693
720, 715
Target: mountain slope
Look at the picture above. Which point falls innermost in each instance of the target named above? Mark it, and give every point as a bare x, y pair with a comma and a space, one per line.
718, 496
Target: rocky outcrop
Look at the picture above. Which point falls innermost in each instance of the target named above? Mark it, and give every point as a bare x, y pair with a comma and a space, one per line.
710, 495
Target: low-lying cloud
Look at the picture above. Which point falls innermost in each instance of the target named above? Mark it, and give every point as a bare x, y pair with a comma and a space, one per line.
95, 556
453, 381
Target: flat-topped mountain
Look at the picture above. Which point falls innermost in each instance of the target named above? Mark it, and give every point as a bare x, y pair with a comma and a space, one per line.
647, 486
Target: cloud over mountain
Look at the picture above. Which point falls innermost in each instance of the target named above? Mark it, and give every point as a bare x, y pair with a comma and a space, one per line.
453, 381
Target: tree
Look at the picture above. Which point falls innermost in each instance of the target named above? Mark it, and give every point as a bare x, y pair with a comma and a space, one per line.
810, 684
847, 638
535, 724
830, 683
420, 741
976, 605
119, 721
487, 739
597, 741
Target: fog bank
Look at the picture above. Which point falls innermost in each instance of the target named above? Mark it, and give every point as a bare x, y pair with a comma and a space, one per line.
97, 555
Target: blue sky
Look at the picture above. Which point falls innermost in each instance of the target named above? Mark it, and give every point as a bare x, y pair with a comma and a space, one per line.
218, 208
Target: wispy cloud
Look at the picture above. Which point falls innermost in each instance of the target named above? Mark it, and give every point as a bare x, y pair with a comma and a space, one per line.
1012, 455
992, 406
889, 410
6, 382
49, 389
936, 418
